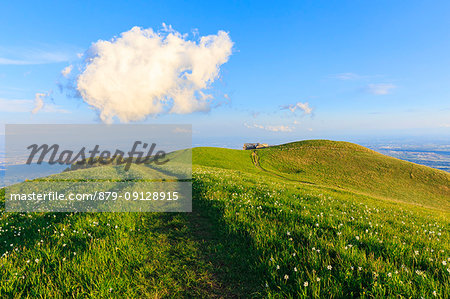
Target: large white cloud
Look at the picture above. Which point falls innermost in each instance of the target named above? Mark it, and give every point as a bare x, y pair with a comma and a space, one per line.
144, 72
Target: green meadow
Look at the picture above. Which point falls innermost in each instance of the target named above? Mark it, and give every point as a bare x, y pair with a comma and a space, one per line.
311, 219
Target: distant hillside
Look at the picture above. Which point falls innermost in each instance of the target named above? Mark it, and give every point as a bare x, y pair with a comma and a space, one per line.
338, 165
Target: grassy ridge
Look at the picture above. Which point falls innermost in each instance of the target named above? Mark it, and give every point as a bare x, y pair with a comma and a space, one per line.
253, 232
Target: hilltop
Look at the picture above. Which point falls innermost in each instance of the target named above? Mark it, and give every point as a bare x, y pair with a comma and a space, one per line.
356, 168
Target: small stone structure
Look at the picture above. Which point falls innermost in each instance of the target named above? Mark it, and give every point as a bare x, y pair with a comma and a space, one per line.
249, 146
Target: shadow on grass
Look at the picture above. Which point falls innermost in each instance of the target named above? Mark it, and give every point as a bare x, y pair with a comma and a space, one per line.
233, 256
226, 263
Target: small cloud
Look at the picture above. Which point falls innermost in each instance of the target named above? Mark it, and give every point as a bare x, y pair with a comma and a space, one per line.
7, 105
299, 105
7, 61
279, 128
346, 76
25, 106
50, 108
19, 56
380, 89
41, 106
66, 71
182, 130
445, 125
38, 102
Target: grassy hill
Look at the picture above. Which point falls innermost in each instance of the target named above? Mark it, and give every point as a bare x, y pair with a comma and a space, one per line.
338, 165
356, 168
309, 219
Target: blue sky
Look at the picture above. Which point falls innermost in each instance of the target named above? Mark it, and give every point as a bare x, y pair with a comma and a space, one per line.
366, 69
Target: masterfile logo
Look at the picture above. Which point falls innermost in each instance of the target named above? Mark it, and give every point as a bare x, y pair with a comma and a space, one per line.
89, 168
